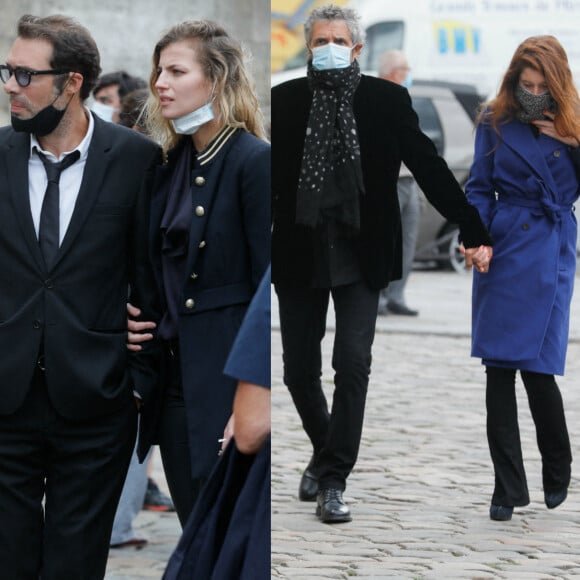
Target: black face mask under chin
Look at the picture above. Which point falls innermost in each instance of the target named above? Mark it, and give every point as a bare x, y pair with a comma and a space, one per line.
43, 123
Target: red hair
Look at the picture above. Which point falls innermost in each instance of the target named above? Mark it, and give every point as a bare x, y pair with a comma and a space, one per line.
545, 55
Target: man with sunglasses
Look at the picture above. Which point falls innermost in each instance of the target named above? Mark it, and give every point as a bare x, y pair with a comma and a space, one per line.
72, 242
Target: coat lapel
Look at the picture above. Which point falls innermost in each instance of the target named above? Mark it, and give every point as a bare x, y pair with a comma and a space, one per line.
17, 172
209, 170
518, 137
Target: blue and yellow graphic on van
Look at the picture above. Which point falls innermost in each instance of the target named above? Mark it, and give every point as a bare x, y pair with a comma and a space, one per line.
453, 37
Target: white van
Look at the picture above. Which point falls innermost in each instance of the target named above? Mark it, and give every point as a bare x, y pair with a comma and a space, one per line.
466, 41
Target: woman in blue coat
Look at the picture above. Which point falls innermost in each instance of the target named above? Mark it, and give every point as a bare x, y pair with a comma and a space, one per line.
524, 182
210, 226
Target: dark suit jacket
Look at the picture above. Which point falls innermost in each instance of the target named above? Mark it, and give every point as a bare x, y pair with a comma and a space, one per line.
79, 305
229, 251
389, 133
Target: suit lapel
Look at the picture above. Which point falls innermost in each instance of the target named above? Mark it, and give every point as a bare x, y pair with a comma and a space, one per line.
17, 172
160, 192
92, 182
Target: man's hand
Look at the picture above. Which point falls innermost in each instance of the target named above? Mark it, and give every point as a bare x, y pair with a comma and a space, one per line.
478, 257
136, 330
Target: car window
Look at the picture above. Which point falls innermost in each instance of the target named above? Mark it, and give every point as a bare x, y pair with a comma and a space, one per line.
429, 121
380, 37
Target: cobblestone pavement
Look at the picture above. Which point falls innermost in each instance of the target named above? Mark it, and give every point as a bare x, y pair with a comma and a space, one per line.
421, 489
162, 531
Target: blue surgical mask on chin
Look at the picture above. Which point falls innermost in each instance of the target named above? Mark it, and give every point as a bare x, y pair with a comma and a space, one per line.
407, 82
190, 123
331, 56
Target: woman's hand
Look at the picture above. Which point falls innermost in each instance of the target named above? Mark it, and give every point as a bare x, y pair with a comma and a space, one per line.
228, 434
478, 257
548, 128
136, 330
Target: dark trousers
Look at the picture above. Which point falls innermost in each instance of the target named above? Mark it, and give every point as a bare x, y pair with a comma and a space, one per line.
546, 406
335, 435
174, 443
78, 467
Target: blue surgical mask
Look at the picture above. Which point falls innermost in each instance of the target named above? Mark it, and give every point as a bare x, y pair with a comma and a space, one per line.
408, 81
330, 56
190, 123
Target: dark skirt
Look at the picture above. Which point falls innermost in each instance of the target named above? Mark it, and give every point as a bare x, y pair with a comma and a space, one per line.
228, 533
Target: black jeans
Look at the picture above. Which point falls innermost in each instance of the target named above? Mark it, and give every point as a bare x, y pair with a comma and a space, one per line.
503, 434
335, 435
174, 443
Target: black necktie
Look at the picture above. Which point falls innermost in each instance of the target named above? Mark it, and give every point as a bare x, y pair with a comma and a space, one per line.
48, 232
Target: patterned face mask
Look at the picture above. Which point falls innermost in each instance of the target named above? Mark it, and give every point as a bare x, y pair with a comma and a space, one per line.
533, 106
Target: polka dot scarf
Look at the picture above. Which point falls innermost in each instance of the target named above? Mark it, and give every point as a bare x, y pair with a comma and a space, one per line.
330, 181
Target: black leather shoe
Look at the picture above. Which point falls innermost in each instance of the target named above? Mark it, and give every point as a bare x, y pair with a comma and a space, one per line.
554, 498
308, 489
395, 308
501, 513
331, 508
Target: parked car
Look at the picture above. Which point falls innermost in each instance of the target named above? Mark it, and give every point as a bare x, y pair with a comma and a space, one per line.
446, 114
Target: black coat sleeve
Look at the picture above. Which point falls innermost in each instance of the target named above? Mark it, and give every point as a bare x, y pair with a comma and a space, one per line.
435, 178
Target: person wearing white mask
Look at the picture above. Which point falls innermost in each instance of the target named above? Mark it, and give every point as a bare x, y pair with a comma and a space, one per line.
338, 139
210, 220
110, 89
393, 66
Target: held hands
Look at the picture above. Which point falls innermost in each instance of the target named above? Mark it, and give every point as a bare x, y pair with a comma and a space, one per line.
478, 257
547, 128
136, 330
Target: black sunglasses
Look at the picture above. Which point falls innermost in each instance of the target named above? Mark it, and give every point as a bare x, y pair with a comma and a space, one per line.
23, 75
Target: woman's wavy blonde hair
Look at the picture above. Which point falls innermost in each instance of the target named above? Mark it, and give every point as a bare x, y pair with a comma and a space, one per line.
545, 55
222, 59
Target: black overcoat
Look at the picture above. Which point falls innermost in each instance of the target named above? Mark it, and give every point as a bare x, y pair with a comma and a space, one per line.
388, 132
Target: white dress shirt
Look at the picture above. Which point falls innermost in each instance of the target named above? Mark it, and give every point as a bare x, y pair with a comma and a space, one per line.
70, 180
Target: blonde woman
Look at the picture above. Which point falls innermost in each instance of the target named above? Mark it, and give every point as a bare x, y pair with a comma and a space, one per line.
210, 229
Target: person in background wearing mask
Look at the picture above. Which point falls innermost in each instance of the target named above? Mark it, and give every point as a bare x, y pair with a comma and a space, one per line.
393, 67
524, 182
74, 217
338, 141
110, 89
211, 240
